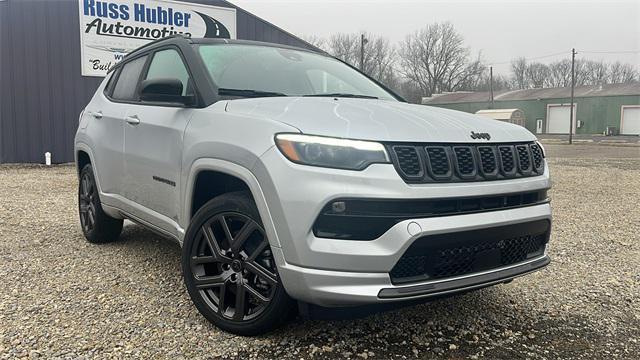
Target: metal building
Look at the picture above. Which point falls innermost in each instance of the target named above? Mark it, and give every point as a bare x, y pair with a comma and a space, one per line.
613, 109
42, 89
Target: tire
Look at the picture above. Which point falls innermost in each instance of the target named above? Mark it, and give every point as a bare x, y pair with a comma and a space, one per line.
225, 253
97, 226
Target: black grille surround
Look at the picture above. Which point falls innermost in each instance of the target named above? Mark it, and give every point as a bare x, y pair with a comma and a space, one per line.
432, 163
450, 255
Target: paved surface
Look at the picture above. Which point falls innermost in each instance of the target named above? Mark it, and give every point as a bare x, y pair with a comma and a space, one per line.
566, 153
619, 140
61, 297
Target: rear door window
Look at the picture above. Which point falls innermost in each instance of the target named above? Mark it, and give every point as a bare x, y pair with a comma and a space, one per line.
125, 88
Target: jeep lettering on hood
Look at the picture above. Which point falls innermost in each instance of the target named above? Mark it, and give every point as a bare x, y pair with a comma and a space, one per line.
378, 120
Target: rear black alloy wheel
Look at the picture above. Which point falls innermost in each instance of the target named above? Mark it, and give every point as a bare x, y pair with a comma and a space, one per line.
87, 203
97, 226
233, 267
230, 270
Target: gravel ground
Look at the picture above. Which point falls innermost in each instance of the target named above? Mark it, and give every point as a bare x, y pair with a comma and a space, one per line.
61, 297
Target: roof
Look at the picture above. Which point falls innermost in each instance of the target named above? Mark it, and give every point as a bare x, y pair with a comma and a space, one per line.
535, 94
498, 114
180, 38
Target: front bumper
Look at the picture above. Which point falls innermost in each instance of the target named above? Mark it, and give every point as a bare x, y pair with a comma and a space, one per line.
331, 272
333, 288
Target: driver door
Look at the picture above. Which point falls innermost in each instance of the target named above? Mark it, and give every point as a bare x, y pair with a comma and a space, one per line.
153, 146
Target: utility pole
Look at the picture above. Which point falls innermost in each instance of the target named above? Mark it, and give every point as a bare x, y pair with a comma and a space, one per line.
491, 84
363, 41
573, 85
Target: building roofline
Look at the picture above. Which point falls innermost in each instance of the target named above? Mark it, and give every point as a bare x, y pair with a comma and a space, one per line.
585, 91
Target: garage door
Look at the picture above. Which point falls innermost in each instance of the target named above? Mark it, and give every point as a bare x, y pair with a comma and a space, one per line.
558, 119
630, 124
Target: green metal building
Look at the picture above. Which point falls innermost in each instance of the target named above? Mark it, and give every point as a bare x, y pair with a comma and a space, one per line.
603, 109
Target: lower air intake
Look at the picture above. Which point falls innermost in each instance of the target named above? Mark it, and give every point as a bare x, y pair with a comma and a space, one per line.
461, 253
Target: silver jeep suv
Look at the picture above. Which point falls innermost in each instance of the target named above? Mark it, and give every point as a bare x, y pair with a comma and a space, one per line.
287, 175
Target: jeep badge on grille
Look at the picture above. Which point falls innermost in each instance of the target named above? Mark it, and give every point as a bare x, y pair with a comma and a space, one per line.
475, 135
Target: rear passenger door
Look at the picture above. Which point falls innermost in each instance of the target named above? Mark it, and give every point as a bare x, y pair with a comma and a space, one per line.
153, 145
107, 125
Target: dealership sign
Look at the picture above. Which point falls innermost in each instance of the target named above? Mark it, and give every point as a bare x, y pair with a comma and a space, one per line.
112, 28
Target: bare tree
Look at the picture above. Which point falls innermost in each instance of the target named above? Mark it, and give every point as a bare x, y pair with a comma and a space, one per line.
596, 72
410, 91
622, 73
560, 73
316, 41
500, 82
436, 60
345, 47
519, 72
580, 73
468, 78
379, 55
537, 75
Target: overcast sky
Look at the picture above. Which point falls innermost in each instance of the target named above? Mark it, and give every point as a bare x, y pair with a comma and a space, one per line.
502, 30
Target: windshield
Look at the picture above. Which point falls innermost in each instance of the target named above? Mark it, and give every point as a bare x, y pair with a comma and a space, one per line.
254, 71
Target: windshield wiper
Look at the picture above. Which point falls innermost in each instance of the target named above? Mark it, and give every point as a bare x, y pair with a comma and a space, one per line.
248, 93
343, 95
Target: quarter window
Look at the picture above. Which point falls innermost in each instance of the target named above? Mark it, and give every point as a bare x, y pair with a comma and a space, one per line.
125, 88
167, 64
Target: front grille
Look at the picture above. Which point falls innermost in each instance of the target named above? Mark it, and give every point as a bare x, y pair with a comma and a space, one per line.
538, 158
506, 160
456, 254
459, 162
408, 160
524, 159
488, 163
465, 163
438, 162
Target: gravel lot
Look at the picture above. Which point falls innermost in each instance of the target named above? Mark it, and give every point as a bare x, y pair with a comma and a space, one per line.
62, 297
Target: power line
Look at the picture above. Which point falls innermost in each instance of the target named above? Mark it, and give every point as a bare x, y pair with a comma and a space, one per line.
528, 59
612, 52
565, 52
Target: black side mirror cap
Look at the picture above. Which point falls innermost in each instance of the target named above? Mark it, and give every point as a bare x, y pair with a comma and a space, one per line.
164, 90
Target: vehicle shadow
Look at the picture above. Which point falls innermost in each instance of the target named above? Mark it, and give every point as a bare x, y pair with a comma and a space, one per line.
500, 313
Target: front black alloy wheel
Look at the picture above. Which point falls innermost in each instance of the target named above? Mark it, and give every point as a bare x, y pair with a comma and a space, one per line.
229, 268
97, 226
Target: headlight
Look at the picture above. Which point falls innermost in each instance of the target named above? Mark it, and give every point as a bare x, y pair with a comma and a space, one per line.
331, 152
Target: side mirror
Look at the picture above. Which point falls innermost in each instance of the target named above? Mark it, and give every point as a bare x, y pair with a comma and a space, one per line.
164, 90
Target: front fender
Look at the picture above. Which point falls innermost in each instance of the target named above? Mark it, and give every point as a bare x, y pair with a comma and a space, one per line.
233, 169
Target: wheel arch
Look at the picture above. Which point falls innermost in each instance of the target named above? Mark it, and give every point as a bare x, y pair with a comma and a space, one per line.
84, 156
235, 177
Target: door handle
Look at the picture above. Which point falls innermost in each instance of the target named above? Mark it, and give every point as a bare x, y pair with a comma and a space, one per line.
96, 114
133, 120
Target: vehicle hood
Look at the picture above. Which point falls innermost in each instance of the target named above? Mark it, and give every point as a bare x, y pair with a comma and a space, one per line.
380, 120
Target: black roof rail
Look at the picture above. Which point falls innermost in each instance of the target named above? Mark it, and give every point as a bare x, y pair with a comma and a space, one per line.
174, 36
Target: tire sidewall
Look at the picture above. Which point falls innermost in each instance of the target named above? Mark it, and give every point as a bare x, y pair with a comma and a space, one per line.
279, 307
88, 170
105, 229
